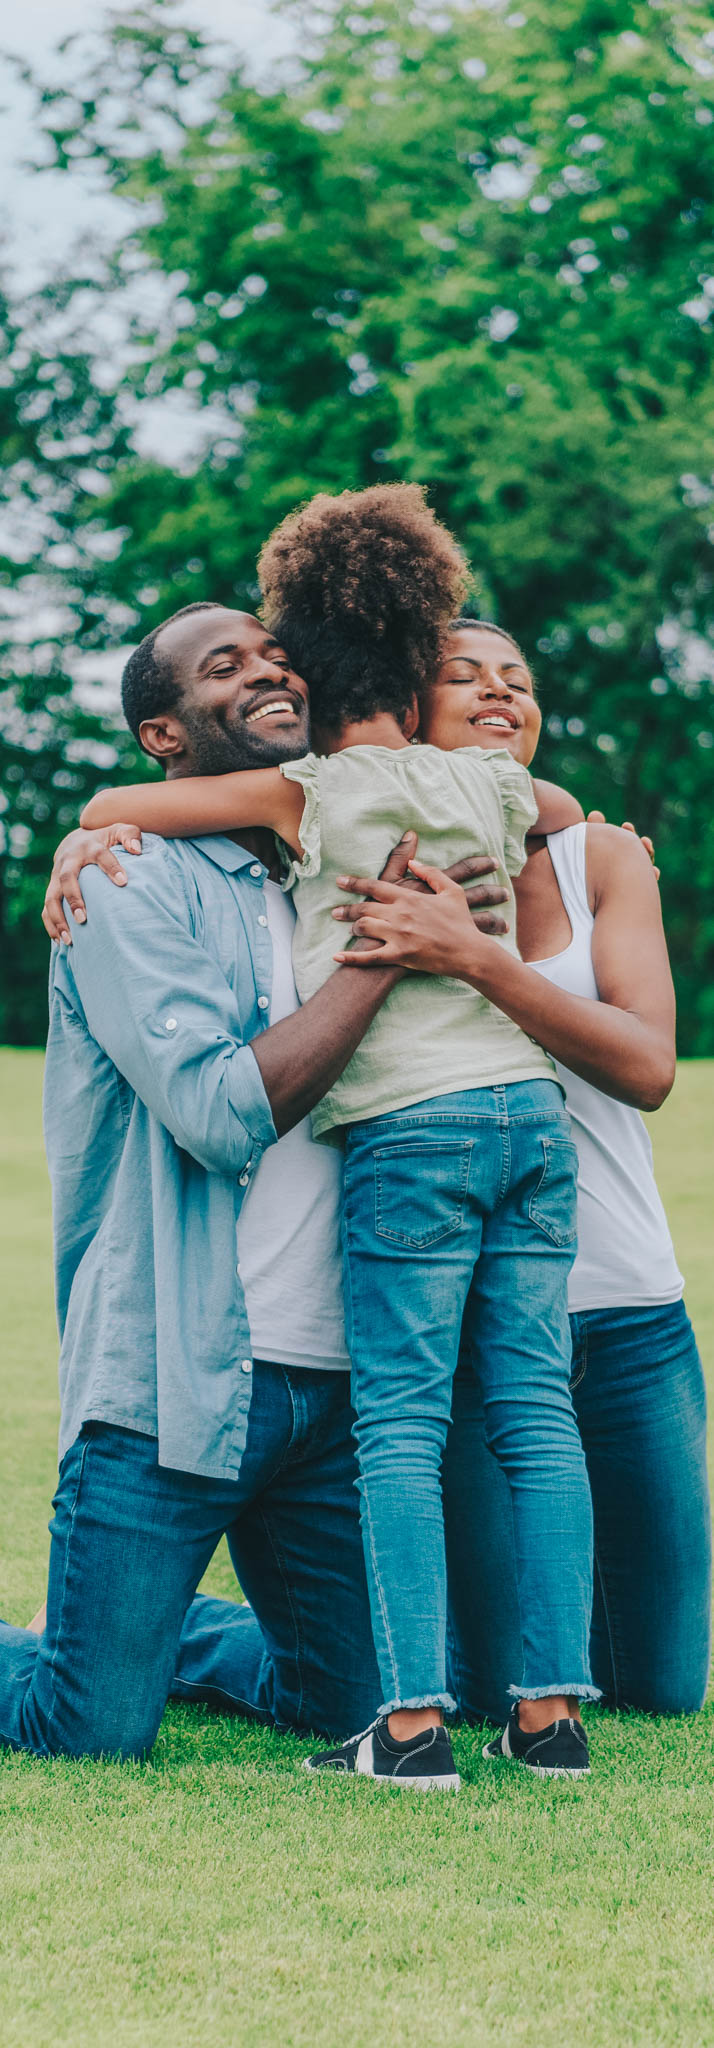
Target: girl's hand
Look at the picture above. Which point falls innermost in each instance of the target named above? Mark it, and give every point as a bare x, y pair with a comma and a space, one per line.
432, 932
83, 849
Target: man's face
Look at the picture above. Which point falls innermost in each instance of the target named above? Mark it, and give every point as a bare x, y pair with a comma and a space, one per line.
242, 706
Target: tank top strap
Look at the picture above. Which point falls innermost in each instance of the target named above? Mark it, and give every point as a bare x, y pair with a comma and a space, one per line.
567, 852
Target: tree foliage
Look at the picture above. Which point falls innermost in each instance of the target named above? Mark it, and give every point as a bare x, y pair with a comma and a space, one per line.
472, 248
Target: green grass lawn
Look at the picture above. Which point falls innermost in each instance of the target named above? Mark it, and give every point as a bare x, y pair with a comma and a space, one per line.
217, 1895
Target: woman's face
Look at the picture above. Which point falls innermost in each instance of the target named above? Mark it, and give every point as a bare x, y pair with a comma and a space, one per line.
482, 697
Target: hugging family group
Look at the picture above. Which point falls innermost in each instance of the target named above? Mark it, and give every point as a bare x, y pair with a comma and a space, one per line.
360, 1260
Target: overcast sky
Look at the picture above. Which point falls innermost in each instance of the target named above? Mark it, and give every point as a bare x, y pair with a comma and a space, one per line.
43, 214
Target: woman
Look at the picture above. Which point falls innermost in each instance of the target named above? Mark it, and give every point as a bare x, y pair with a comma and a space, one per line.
601, 1000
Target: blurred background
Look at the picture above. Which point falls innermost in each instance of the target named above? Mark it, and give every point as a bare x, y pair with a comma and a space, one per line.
254, 252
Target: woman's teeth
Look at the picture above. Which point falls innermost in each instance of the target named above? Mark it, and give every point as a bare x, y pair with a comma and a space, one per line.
269, 710
503, 724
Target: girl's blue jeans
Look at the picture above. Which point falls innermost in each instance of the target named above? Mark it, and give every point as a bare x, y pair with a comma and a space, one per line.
458, 1212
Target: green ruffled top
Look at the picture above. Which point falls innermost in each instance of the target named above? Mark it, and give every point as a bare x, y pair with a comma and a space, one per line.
434, 1035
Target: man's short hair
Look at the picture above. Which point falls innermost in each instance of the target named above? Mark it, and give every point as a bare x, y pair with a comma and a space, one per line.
148, 684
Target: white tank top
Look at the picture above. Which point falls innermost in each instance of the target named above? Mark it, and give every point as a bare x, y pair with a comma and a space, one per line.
625, 1253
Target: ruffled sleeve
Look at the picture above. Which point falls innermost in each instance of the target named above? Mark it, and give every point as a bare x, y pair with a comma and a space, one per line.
520, 809
307, 772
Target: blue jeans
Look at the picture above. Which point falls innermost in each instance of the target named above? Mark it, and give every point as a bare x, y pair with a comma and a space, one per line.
638, 1391
130, 1543
460, 1211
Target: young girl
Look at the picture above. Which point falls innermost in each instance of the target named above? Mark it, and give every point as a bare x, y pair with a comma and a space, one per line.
459, 1196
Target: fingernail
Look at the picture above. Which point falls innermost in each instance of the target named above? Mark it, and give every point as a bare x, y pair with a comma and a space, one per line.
135, 846
65, 937
80, 917
120, 880
342, 881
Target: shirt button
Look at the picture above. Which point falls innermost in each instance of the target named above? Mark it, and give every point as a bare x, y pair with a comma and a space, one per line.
170, 1023
263, 1002
243, 1179
262, 920
246, 1365
256, 868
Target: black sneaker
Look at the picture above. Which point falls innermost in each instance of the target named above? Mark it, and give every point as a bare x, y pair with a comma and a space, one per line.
425, 1763
558, 1751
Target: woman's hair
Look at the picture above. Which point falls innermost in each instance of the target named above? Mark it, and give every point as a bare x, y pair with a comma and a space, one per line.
360, 589
466, 625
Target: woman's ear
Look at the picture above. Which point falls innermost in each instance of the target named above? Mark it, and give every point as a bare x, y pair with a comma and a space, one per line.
410, 722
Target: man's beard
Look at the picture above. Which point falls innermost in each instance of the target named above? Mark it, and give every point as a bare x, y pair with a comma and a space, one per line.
219, 749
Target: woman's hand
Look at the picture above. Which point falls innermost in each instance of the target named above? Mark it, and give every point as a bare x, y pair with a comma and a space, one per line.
480, 891
430, 928
79, 850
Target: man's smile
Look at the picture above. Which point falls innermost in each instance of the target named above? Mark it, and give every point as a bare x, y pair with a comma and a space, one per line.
281, 705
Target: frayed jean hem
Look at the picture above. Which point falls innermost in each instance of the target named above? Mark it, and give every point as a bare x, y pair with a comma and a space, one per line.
548, 1692
444, 1700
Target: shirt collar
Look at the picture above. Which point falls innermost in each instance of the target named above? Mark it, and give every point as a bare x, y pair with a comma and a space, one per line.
226, 853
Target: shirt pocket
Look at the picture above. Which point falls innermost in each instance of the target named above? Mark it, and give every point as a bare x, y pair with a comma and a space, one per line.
420, 1190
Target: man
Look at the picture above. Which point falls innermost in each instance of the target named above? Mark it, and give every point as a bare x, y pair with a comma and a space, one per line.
202, 1393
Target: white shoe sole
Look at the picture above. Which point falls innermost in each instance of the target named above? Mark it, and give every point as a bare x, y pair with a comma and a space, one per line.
409, 1784
536, 1770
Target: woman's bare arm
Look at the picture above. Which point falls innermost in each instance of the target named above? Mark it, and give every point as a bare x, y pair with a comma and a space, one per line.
188, 805
623, 1044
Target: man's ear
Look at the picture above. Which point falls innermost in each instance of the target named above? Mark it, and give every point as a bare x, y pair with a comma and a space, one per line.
162, 737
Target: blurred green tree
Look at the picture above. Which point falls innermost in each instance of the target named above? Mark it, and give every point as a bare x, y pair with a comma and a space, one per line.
472, 247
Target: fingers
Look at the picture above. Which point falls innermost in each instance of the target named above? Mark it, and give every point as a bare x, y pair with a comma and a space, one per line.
112, 867
595, 818
476, 864
361, 885
435, 879
127, 836
66, 885
396, 866
485, 921
373, 956
479, 897
53, 916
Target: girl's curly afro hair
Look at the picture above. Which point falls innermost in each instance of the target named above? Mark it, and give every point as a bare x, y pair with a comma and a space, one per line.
359, 589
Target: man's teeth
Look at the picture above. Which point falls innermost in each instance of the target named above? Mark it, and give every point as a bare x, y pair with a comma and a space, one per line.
267, 711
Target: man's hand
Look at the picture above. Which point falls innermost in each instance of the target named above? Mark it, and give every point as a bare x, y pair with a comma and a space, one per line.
598, 818
479, 893
80, 850
432, 931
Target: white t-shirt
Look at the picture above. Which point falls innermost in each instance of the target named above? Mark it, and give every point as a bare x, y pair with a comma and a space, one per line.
289, 1256
625, 1253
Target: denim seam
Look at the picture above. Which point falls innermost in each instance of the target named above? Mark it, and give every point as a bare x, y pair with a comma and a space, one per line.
299, 1645
70, 1533
575, 1383
555, 1237
261, 1714
378, 1583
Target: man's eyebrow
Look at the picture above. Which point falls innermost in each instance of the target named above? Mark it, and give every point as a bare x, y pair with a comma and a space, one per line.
231, 647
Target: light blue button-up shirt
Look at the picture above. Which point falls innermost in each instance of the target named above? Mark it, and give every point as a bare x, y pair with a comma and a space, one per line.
155, 1117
